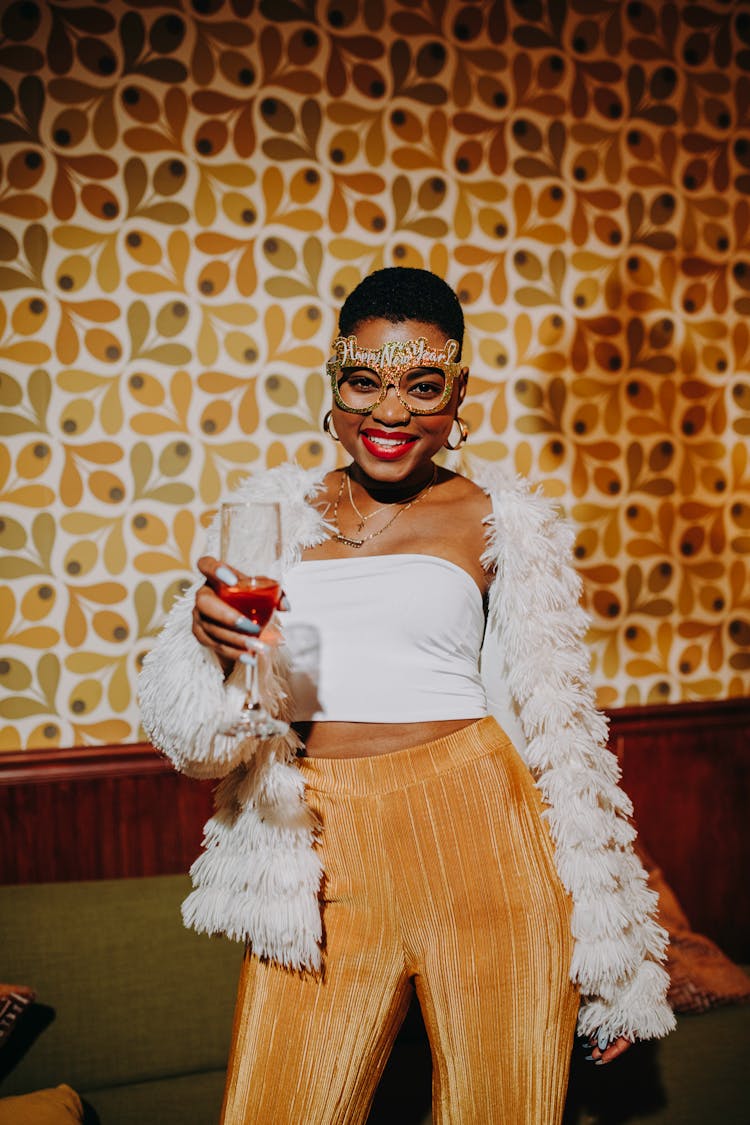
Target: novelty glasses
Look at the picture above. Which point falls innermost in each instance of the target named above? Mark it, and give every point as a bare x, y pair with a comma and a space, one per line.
421, 376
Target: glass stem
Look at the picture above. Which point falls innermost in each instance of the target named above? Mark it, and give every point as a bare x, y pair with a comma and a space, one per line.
252, 702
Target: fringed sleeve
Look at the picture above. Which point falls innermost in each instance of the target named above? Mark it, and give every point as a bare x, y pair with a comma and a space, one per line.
258, 877
538, 626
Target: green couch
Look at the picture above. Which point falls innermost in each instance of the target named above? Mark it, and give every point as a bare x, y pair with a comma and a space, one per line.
134, 1012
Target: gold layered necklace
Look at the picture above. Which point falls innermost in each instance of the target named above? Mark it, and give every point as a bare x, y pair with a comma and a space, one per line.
403, 506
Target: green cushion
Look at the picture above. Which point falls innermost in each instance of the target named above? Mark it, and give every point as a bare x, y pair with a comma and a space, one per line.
129, 994
191, 1099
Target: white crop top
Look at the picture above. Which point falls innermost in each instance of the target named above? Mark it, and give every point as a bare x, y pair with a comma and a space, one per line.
384, 639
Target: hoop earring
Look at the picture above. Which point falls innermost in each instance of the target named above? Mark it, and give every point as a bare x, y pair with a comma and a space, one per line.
463, 431
329, 428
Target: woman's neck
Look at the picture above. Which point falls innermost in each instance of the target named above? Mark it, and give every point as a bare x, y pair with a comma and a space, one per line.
392, 492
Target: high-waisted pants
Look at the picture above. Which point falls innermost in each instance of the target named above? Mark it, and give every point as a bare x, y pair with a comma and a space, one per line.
439, 875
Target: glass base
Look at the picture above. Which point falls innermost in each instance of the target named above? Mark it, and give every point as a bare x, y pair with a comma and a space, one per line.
255, 724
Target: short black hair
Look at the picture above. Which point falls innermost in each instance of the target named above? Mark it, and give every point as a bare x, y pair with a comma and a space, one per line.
401, 293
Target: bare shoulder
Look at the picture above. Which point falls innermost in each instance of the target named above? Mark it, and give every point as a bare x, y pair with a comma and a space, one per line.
461, 512
474, 503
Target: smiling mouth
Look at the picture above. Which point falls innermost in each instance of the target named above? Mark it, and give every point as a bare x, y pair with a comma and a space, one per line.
385, 446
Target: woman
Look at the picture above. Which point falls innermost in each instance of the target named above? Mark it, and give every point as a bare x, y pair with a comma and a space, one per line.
395, 839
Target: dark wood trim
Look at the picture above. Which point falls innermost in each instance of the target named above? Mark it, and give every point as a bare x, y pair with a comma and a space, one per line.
78, 763
669, 716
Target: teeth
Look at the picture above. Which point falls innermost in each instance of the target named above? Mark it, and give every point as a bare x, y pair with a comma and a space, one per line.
386, 441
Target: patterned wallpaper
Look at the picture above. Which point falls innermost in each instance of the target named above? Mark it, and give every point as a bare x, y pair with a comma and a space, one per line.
189, 187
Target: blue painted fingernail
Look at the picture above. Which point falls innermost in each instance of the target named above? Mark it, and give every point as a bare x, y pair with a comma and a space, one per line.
589, 1058
602, 1040
245, 625
225, 575
247, 658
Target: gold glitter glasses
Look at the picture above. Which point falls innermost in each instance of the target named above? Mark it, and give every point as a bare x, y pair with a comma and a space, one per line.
421, 376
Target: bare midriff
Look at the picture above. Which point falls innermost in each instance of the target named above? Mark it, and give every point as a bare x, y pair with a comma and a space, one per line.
360, 740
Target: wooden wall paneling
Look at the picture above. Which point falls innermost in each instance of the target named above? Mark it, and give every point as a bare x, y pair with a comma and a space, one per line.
109, 812
687, 770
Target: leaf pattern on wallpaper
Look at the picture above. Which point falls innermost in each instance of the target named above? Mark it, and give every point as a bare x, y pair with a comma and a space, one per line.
187, 192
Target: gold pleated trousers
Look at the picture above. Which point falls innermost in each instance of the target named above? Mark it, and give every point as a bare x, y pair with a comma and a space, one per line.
439, 875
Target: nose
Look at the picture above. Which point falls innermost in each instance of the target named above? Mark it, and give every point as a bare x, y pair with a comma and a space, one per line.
391, 411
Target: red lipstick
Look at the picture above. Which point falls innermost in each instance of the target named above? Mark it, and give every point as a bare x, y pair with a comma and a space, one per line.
397, 445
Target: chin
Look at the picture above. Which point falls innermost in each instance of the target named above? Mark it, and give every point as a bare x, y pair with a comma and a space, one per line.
392, 468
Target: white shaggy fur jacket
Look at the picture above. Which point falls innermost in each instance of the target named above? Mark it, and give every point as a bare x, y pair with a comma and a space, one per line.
259, 876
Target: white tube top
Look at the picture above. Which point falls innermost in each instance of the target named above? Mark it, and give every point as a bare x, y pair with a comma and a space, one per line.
384, 639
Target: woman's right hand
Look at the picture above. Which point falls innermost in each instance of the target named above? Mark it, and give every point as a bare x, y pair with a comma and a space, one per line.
217, 625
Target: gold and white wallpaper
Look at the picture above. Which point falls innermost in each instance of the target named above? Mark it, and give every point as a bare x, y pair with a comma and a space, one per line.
188, 188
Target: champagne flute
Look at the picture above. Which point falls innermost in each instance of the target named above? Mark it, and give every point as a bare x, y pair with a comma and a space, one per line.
251, 532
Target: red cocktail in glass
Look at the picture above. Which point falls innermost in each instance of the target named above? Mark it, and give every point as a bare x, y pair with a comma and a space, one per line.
251, 538
255, 597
